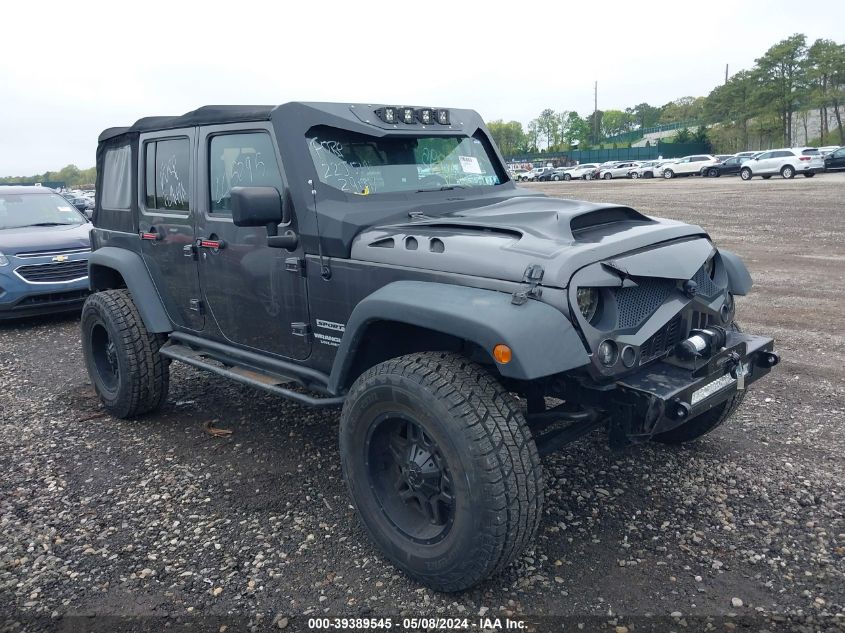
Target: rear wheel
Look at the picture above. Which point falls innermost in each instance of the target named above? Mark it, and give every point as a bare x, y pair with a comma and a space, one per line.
555, 177
122, 357
788, 172
607, 176
567, 177
713, 173
766, 177
634, 175
441, 467
745, 174
808, 174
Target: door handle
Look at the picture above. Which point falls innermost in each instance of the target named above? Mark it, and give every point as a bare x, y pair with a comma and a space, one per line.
152, 235
211, 243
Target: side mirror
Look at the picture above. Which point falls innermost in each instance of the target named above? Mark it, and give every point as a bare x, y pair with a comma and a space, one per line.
264, 206
256, 206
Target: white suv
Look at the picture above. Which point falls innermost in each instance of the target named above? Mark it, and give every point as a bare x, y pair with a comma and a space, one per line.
787, 162
585, 172
617, 170
689, 165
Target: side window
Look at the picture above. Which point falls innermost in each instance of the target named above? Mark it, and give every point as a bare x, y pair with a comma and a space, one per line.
117, 178
784, 154
167, 174
764, 155
240, 160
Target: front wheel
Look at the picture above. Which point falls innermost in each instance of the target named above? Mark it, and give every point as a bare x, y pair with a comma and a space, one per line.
668, 174
745, 174
607, 176
634, 175
121, 356
713, 173
567, 177
441, 468
808, 174
555, 177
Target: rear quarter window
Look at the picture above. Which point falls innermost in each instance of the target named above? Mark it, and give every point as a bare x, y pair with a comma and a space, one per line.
117, 178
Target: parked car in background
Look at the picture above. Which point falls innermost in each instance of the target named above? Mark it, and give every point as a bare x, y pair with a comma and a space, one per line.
747, 154
729, 167
587, 171
533, 174
617, 170
828, 149
44, 250
554, 174
82, 203
689, 165
723, 157
786, 161
647, 169
835, 160
516, 172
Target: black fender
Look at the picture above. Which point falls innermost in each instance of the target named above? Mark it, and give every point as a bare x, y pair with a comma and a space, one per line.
542, 339
739, 279
137, 279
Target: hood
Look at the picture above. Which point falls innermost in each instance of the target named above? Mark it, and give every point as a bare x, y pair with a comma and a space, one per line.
501, 240
32, 239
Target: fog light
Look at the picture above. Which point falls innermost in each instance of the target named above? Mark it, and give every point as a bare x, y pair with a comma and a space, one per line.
629, 356
607, 353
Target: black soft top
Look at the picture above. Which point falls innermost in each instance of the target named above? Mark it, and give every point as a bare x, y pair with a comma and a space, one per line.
206, 115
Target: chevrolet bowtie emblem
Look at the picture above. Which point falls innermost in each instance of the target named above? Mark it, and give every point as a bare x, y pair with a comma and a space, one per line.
60, 258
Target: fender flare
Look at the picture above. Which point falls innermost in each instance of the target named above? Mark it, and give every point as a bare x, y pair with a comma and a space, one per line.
131, 267
543, 340
739, 279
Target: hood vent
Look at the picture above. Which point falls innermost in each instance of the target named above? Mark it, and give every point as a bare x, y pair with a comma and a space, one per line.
601, 217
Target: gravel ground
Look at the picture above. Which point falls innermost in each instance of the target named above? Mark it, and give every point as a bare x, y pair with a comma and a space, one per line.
158, 523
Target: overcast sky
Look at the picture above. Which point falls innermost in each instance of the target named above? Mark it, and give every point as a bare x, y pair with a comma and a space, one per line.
69, 69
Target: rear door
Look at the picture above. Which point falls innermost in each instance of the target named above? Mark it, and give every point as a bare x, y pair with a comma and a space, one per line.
256, 295
763, 164
167, 205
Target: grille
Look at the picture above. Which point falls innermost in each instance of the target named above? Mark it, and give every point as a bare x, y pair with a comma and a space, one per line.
67, 251
706, 286
60, 271
699, 320
635, 304
54, 297
662, 341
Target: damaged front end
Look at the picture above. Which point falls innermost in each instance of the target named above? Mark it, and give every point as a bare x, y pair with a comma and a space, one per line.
659, 324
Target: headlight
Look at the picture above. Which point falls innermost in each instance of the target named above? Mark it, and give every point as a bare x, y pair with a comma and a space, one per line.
4, 261
588, 302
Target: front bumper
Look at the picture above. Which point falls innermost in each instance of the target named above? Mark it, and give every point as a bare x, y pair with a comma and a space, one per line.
666, 394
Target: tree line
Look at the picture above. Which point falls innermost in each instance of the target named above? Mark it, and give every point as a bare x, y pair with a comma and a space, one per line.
71, 175
759, 106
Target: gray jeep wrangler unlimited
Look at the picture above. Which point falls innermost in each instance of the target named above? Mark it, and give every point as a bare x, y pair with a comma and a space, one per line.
379, 258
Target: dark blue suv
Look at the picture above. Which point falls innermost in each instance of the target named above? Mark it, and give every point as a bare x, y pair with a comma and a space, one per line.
44, 250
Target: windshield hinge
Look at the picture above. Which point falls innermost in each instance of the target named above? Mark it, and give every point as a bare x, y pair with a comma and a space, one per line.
532, 276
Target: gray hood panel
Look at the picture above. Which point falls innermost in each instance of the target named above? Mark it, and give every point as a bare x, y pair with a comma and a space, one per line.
501, 240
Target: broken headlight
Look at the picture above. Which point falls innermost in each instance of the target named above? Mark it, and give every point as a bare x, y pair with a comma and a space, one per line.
588, 302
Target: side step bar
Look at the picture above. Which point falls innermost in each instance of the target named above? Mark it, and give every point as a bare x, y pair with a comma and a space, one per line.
247, 376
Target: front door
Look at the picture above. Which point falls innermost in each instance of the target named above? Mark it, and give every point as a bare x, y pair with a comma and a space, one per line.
167, 204
256, 295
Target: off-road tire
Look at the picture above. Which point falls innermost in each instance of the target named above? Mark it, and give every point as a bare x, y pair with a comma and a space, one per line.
706, 422
483, 439
142, 374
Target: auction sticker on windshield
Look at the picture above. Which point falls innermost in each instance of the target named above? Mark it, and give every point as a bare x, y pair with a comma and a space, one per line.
469, 165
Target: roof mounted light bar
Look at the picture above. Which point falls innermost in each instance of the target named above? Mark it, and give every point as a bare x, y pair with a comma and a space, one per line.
411, 116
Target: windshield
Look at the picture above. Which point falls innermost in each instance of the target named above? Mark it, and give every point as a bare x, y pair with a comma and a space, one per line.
362, 164
36, 209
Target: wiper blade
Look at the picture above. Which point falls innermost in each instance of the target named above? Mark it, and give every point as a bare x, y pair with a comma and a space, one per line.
443, 188
48, 224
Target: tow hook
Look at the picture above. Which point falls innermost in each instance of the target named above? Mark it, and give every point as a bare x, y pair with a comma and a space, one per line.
768, 359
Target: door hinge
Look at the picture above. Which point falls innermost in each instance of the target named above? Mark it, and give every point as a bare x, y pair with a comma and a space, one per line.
197, 306
190, 250
300, 329
532, 276
295, 265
